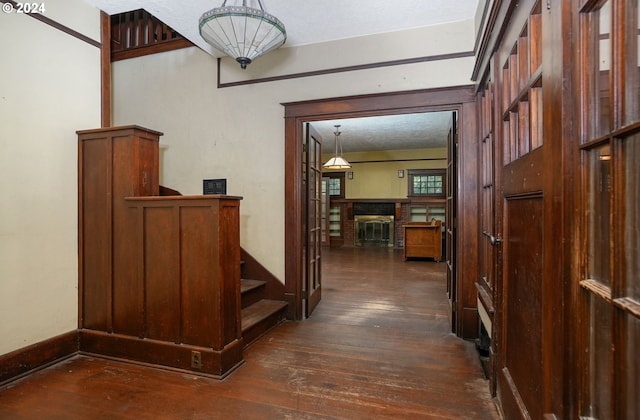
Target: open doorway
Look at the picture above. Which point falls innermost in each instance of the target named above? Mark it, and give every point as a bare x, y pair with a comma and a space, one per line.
397, 175
297, 115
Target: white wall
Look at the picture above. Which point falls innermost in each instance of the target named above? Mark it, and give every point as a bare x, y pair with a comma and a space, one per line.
238, 132
49, 88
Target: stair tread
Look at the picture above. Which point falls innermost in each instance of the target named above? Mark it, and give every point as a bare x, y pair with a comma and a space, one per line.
260, 310
248, 284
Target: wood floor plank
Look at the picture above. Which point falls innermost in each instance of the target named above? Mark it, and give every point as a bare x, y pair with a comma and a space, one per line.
378, 346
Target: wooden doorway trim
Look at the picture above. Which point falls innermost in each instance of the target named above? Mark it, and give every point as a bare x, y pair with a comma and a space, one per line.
105, 69
457, 98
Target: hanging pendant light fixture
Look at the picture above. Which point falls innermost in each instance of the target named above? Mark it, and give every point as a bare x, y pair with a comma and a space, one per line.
242, 32
337, 161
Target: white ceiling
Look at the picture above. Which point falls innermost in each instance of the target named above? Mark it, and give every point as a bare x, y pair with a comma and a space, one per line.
308, 21
316, 21
407, 131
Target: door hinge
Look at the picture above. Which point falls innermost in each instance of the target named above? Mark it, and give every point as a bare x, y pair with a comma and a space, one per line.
305, 294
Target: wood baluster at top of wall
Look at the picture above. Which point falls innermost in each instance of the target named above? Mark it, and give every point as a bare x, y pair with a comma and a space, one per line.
138, 33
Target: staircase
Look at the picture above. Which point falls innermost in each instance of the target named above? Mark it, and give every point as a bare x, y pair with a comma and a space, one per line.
259, 314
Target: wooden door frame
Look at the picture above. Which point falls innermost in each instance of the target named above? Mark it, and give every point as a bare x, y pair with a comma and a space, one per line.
458, 98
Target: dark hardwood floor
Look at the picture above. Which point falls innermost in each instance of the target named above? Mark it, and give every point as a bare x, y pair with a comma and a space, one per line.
378, 346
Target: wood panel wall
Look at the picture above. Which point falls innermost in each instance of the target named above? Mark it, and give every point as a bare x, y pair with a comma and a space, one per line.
159, 275
112, 164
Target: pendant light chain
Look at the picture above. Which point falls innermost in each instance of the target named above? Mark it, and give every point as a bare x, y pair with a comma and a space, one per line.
337, 161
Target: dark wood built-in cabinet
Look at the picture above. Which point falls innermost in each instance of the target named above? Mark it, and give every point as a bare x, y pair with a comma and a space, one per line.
159, 275
112, 164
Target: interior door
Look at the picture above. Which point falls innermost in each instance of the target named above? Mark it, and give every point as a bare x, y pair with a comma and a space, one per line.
491, 238
531, 368
450, 220
312, 219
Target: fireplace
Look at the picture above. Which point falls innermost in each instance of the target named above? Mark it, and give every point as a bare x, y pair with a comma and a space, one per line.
373, 230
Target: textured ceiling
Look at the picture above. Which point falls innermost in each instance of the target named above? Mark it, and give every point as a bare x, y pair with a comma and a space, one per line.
407, 131
316, 21
308, 21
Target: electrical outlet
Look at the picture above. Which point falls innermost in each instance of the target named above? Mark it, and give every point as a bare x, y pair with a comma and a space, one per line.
196, 359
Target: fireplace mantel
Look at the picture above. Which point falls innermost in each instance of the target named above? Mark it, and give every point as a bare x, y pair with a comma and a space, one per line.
371, 200
402, 213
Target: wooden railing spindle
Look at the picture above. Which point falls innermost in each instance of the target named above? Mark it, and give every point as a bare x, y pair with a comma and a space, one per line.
138, 33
